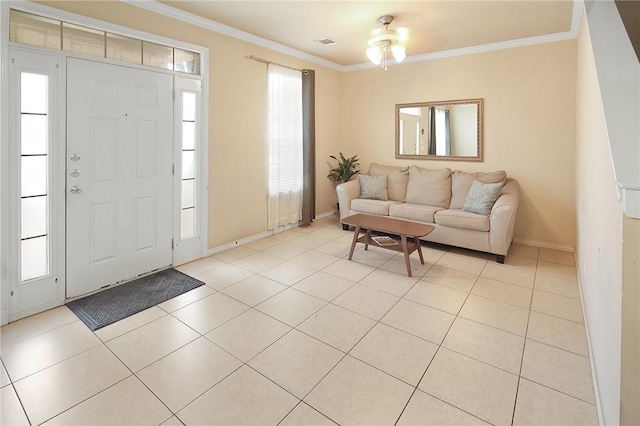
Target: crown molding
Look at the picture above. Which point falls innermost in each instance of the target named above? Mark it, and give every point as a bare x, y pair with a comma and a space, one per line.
172, 12
530, 41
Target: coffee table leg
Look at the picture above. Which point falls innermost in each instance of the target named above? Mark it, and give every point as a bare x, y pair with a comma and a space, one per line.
366, 243
405, 250
417, 241
356, 234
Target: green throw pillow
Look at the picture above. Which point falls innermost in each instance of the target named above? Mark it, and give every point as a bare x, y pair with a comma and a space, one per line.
482, 197
373, 187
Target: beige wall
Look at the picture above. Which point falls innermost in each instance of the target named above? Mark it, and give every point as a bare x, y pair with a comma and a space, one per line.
237, 115
529, 119
599, 247
630, 380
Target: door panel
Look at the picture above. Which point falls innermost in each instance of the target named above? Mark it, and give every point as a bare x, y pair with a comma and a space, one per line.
145, 223
119, 157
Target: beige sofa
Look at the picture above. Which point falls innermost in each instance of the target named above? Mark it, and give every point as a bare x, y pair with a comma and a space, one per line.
437, 197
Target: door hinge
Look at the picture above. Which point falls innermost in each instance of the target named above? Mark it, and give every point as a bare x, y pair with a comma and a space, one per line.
13, 60
172, 243
173, 169
173, 95
12, 293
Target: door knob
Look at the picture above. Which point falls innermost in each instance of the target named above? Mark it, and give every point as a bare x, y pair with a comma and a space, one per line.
75, 189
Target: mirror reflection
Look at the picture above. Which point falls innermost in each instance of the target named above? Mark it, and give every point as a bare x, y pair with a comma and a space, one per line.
446, 130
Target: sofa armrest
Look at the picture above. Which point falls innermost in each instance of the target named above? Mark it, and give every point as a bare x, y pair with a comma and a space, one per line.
503, 218
347, 191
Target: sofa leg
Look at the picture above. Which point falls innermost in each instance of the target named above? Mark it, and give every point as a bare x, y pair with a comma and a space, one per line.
345, 227
500, 258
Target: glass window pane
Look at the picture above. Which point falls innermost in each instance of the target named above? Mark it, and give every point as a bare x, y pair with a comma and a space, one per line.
33, 217
34, 260
188, 187
188, 135
34, 93
187, 223
124, 49
33, 133
186, 61
35, 30
34, 176
82, 40
188, 165
157, 55
188, 106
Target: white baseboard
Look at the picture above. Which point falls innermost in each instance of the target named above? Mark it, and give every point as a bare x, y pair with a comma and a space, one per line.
326, 214
256, 237
543, 244
594, 377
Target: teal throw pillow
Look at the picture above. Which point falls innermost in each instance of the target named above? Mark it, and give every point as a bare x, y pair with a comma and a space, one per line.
373, 187
482, 197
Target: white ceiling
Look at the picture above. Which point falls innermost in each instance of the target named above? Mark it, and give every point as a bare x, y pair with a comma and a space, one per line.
435, 27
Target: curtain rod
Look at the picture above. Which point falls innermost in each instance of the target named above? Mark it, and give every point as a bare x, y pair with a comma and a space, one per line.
264, 61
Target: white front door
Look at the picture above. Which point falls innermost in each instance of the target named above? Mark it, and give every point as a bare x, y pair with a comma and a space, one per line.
119, 173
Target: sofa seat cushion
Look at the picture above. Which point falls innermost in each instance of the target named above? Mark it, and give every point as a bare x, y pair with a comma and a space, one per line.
415, 212
377, 207
455, 218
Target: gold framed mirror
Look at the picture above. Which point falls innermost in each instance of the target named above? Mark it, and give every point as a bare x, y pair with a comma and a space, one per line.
444, 130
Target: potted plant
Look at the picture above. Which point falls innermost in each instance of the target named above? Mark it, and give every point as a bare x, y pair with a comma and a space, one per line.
345, 169
343, 172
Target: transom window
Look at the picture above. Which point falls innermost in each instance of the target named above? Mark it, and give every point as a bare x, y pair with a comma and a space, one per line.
37, 30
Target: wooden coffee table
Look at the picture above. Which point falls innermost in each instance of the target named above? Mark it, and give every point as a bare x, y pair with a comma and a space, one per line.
389, 225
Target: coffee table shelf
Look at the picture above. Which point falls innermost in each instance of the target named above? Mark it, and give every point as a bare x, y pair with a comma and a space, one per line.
402, 228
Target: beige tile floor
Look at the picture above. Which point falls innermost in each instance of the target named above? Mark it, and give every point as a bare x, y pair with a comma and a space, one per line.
287, 331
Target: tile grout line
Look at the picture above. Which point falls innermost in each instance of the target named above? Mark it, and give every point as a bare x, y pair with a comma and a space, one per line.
133, 374
434, 357
15, 391
307, 318
356, 344
524, 346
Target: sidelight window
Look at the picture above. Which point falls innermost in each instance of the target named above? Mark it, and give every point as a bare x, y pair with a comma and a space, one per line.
34, 188
189, 125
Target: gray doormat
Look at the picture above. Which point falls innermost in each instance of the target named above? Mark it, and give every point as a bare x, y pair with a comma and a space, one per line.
106, 307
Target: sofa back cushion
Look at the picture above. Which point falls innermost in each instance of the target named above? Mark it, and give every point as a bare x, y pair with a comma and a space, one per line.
430, 187
397, 179
461, 183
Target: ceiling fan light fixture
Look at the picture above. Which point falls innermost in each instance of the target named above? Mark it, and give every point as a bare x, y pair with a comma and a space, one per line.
398, 52
375, 55
387, 43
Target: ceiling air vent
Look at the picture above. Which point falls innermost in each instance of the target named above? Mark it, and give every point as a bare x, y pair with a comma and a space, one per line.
327, 41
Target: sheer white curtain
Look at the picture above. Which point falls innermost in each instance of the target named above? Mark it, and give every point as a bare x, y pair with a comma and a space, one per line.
284, 97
